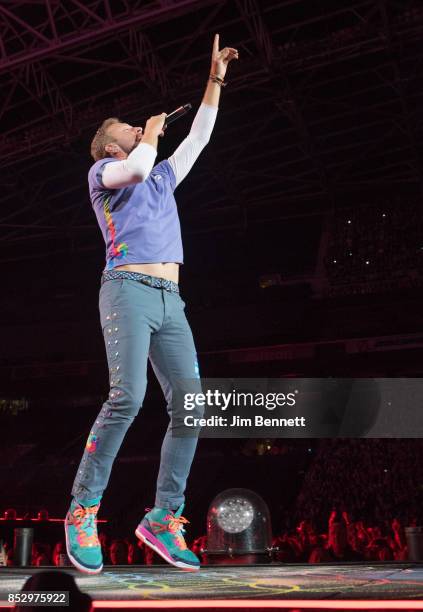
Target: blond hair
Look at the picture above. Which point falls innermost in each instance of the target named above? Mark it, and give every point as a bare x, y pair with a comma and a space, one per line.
102, 138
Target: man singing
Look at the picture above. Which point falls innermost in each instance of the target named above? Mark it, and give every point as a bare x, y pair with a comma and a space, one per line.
142, 316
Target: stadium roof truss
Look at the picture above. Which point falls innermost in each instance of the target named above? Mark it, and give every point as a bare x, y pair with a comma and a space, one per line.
324, 102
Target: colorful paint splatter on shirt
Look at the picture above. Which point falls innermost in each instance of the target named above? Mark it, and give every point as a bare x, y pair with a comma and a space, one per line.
121, 249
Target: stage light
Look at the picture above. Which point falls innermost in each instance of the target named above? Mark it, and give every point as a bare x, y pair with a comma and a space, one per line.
43, 515
10, 514
22, 546
238, 528
414, 537
270, 280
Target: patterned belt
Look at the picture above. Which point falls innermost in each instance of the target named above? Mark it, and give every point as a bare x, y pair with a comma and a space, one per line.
151, 281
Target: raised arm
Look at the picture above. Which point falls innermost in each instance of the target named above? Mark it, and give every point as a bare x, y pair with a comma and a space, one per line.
190, 148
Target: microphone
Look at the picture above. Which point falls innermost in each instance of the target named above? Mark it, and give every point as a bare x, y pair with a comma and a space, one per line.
176, 114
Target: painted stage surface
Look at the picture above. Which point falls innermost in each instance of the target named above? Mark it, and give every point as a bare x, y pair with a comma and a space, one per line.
290, 581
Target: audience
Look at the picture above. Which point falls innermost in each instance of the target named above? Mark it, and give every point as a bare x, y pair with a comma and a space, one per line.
119, 552
375, 248
343, 540
340, 514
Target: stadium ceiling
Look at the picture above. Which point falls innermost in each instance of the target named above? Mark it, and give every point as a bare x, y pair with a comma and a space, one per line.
324, 104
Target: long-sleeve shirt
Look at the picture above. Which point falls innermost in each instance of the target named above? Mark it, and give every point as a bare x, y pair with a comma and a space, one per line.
137, 211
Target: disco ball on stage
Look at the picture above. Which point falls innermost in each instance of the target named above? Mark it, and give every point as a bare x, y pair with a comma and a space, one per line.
238, 525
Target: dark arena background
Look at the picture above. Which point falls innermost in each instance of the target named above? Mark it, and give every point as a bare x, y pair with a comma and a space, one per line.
303, 239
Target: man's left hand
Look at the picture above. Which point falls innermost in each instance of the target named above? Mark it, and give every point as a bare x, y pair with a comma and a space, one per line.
221, 59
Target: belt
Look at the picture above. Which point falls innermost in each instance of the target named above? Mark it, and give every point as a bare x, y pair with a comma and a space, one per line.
145, 279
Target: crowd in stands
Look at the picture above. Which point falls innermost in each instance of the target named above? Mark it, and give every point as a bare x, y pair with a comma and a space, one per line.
117, 551
343, 540
372, 247
371, 479
357, 496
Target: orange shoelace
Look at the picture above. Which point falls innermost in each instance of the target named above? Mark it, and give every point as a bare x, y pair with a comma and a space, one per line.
175, 526
83, 520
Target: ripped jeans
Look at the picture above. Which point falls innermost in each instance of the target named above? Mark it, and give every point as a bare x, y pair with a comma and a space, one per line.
141, 322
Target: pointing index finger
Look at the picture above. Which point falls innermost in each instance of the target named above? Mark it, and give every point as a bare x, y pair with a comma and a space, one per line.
216, 43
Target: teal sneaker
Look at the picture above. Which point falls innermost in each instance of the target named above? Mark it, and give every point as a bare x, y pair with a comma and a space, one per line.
161, 529
82, 544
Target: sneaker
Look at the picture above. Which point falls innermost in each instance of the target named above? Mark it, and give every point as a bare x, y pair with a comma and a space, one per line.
82, 544
161, 529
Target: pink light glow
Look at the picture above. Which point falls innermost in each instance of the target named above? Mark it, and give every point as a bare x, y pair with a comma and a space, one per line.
301, 604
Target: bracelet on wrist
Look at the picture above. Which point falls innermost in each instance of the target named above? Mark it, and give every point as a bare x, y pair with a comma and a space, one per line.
218, 80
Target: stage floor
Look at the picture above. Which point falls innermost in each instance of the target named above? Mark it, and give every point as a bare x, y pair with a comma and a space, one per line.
388, 581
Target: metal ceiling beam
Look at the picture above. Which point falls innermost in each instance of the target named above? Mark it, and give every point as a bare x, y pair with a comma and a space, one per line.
399, 89
299, 186
6, 146
255, 192
39, 45
3, 138
301, 50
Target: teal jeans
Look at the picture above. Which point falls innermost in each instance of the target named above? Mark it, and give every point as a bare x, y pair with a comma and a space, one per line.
141, 322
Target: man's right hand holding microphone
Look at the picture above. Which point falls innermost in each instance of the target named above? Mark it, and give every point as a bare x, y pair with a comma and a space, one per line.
154, 128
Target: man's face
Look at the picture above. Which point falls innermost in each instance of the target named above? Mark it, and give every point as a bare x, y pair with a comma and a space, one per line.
125, 136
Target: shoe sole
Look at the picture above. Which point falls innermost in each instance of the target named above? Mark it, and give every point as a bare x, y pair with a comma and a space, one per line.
81, 568
144, 535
